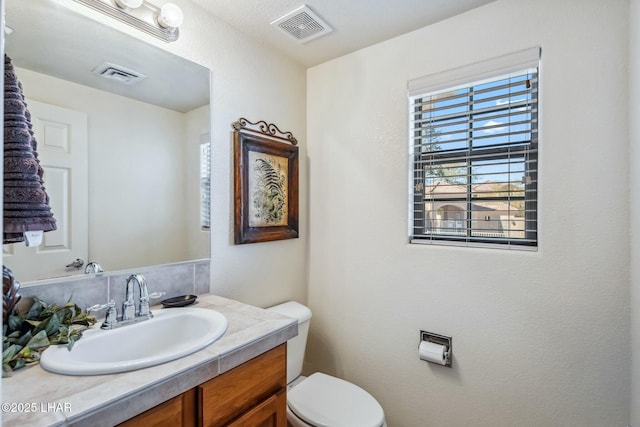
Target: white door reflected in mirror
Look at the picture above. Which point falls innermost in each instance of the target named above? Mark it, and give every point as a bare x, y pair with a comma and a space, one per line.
62, 138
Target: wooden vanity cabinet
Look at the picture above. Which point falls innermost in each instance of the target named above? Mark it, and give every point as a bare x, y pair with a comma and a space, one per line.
179, 411
250, 395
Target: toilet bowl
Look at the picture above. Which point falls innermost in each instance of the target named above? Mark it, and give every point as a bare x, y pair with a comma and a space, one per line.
321, 400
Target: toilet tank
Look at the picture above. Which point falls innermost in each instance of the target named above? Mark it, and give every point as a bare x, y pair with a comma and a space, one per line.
295, 346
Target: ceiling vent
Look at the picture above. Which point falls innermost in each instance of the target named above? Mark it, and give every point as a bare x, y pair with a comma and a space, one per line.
118, 73
302, 24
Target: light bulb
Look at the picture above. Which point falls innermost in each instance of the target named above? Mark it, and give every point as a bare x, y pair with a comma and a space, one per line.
170, 16
131, 4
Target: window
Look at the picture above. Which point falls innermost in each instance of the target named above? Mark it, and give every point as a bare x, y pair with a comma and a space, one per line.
205, 182
474, 154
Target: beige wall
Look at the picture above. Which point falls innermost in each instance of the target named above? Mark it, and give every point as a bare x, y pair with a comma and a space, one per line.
539, 339
198, 240
634, 131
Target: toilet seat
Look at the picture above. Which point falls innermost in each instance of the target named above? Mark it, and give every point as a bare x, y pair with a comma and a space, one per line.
325, 401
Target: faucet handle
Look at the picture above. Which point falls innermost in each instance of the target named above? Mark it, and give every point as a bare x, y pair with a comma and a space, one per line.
99, 307
111, 317
96, 307
156, 295
112, 314
145, 306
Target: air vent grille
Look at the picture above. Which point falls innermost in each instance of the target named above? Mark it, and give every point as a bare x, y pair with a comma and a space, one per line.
118, 73
302, 24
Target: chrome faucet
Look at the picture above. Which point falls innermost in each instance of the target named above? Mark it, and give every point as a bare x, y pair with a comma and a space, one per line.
128, 307
93, 267
129, 313
143, 307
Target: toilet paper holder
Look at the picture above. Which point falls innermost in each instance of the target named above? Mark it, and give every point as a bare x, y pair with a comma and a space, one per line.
440, 340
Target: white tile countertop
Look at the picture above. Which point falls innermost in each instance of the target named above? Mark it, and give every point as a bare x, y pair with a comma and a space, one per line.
33, 396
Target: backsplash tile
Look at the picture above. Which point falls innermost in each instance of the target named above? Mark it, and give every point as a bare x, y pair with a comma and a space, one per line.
189, 277
83, 292
202, 278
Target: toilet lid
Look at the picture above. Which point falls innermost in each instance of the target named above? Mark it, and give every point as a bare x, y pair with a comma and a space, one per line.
325, 401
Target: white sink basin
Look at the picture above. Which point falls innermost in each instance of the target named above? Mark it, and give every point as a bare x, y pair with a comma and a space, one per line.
172, 333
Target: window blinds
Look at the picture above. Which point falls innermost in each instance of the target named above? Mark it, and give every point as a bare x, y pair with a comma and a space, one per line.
205, 182
474, 153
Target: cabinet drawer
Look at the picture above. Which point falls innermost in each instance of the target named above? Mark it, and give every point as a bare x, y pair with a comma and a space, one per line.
224, 398
270, 413
179, 411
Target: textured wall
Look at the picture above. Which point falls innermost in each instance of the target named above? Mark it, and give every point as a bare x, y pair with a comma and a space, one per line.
634, 156
540, 339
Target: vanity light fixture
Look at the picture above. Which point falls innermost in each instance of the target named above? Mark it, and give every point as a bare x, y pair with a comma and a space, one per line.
170, 16
132, 4
161, 22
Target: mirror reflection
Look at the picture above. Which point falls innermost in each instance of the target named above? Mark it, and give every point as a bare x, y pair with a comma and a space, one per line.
123, 136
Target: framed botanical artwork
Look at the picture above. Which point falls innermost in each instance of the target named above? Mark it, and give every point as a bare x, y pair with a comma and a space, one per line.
265, 183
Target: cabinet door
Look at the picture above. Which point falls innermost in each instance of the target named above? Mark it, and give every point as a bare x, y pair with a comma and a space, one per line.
270, 413
231, 395
177, 412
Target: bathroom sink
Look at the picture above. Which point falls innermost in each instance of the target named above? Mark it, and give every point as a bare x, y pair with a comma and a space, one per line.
171, 334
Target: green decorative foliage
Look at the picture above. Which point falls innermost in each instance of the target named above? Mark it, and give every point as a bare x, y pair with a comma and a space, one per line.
25, 336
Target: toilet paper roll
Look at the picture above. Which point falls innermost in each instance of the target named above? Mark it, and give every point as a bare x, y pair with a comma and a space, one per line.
432, 352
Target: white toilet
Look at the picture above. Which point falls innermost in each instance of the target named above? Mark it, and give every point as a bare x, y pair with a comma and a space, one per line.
321, 400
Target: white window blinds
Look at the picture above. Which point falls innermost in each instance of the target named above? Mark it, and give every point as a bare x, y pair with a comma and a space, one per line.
474, 155
205, 182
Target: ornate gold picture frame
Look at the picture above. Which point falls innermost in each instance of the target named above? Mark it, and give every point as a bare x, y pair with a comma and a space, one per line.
265, 183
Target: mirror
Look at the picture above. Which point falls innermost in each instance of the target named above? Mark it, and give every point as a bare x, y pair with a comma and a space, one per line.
132, 196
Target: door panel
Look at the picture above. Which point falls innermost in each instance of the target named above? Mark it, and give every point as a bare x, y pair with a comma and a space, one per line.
62, 138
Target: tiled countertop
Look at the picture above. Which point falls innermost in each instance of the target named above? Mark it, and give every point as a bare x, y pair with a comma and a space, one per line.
35, 397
